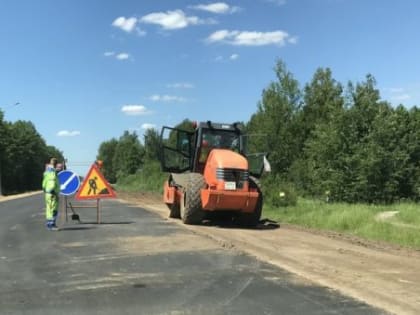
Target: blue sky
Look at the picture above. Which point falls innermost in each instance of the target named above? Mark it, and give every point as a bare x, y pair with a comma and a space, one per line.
85, 71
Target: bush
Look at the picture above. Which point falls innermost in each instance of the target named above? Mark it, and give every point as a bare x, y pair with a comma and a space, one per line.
278, 193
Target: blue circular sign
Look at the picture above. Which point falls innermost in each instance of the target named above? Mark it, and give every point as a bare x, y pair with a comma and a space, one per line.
69, 182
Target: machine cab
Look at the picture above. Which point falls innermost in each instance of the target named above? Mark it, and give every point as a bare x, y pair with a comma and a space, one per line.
183, 150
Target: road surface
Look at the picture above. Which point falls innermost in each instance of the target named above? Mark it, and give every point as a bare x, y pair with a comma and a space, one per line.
139, 263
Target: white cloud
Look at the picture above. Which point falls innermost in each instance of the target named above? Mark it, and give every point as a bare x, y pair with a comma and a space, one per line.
396, 90
181, 85
172, 20
277, 2
234, 57
118, 56
398, 94
134, 110
401, 97
293, 40
217, 7
247, 38
122, 56
68, 133
218, 36
166, 98
140, 32
148, 126
223, 59
125, 24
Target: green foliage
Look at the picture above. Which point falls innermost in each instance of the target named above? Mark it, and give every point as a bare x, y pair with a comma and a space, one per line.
149, 178
277, 193
275, 117
106, 155
23, 155
128, 155
130, 163
151, 145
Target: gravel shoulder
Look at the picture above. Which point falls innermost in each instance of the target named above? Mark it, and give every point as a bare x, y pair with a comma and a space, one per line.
379, 274
12, 197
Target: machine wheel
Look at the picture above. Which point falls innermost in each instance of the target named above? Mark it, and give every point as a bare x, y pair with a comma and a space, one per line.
190, 205
252, 219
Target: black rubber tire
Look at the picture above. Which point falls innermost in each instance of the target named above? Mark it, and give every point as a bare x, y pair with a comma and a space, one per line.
191, 208
252, 219
174, 211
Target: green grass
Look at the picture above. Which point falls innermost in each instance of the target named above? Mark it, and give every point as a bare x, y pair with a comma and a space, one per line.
355, 219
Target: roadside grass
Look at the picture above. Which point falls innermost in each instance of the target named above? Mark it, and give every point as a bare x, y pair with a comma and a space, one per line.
356, 219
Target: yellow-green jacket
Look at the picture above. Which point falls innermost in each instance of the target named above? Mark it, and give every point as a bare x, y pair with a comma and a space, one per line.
50, 183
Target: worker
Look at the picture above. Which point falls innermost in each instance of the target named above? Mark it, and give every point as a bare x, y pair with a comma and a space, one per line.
204, 151
51, 188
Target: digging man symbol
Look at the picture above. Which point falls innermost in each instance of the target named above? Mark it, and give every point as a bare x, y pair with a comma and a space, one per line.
92, 185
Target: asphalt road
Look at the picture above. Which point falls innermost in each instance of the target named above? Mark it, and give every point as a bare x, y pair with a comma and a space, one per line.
138, 263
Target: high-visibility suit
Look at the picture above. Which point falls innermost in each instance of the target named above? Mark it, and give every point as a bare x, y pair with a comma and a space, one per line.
51, 187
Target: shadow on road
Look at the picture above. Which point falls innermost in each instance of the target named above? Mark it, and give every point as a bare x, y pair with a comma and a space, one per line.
264, 224
107, 223
77, 228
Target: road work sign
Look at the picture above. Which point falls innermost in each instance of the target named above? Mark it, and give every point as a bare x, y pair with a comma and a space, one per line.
95, 186
69, 182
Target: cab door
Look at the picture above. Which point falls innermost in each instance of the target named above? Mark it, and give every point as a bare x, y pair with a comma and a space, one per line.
176, 150
252, 145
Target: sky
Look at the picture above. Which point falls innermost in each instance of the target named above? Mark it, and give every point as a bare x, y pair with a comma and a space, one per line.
84, 71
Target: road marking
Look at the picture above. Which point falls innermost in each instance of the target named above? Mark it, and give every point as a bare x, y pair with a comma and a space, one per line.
63, 186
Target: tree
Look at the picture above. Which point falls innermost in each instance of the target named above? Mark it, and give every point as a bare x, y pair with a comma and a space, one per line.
323, 103
2, 148
276, 117
151, 145
128, 157
106, 153
346, 156
25, 156
323, 100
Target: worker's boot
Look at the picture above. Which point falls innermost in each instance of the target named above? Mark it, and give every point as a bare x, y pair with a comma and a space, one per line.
51, 226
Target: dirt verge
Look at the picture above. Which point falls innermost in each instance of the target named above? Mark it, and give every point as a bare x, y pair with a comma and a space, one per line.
382, 275
11, 197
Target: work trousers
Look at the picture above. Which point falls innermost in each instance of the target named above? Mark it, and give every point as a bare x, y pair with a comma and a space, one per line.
51, 206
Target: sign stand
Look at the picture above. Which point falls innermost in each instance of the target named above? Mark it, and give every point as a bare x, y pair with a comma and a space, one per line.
68, 205
94, 187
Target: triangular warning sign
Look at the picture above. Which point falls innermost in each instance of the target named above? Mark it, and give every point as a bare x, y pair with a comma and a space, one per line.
95, 186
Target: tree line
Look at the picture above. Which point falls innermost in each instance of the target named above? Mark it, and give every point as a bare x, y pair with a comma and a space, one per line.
23, 155
325, 139
127, 155
344, 143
